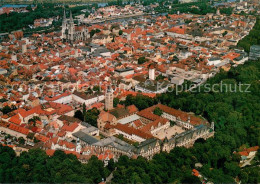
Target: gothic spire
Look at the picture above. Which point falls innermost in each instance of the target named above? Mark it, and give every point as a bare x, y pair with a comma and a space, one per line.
71, 19
64, 15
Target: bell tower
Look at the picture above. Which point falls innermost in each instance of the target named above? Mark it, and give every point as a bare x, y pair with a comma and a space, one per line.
109, 98
71, 28
64, 26
151, 72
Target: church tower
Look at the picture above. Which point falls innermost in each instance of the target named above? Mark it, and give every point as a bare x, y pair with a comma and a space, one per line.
109, 98
68, 28
71, 28
151, 72
64, 26
218, 12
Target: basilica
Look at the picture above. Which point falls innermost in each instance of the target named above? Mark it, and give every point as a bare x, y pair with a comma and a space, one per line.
70, 32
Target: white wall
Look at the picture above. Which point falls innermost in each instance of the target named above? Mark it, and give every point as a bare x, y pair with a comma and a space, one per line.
88, 101
131, 137
12, 133
64, 100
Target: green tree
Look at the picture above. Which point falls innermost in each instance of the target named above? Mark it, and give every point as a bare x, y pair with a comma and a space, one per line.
91, 116
84, 111
111, 165
115, 102
96, 88
160, 77
191, 179
225, 33
232, 168
158, 111
6, 109
142, 60
78, 114
21, 140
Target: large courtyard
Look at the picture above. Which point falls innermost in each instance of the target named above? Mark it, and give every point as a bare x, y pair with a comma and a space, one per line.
170, 132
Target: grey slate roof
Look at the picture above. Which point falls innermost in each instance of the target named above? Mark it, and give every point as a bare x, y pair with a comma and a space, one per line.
116, 143
85, 137
146, 145
89, 128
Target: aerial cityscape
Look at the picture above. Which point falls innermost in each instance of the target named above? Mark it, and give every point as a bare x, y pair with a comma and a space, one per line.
152, 91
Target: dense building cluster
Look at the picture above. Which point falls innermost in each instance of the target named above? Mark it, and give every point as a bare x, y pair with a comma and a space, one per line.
46, 78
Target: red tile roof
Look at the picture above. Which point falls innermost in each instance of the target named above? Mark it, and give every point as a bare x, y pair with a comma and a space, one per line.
67, 144
105, 156
133, 131
182, 115
137, 123
195, 172
154, 124
71, 127
50, 152
48, 108
132, 109
125, 93
15, 119
41, 138
57, 97
147, 113
246, 152
106, 117
19, 129
72, 152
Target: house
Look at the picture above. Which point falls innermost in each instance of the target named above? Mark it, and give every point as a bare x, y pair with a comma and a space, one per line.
64, 98
71, 128
214, 61
122, 112
46, 111
156, 126
66, 119
105, 119
124, 71
105, 157
177, 80
248, 153
84, 137
64, 145
88, 99
149, 86
148, 148
14, 130
132, 133
3, 71
91, 130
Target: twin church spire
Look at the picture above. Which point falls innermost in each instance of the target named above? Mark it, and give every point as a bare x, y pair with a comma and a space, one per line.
65, 18
71, 33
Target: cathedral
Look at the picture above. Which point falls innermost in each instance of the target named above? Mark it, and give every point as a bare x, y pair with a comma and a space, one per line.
70, 32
